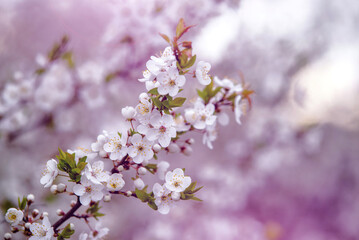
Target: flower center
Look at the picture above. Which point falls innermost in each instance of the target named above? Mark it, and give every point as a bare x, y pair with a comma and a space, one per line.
203, 118
88, 189
140, 148
114, 185
13, 217
177, 183
172, 83
162, 129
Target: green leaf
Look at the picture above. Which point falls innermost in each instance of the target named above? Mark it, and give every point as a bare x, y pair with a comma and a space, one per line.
157, 103
40, 71
67, 56
152, 205
22, 204
196, 199
154, 91
177, 102
180, 28
66, 233
165, 37
142, 195
190, 62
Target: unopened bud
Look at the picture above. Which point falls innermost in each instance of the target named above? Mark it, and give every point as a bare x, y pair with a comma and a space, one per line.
190, 141
144, 97
139, 184
72, 203
145, 162
7, 236
156, 148
129, 193
14, 229
34, 213
53, 189
173, 148
142, 170
61, 188
72, 226
30, 198
107, 198
128, 112
120, 168
59, 212
45, 214
187, 151
175, 196
27, 225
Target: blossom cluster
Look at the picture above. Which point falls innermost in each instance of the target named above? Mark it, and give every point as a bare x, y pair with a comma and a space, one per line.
156, 124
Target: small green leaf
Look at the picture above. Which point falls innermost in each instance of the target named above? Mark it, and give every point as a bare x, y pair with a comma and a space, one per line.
154, 91
142, 195
157, 103
177, 102
190, 62
165, 37
153, 205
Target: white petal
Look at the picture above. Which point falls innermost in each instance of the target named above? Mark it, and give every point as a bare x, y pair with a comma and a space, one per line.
79, 190
85, 199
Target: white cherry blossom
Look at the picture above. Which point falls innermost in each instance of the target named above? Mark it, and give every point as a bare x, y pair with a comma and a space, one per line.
170, 82
238, 109
102, 139
88, 191
128, 112
162, 129
202, 70
162, 198
115, 182
180, 124
144, 110
141, 149
162, 168
14, 216
116, 145
229, 85
42, 231
49, 173
210, 135
201, 116
99, 232
176, 181
96, 173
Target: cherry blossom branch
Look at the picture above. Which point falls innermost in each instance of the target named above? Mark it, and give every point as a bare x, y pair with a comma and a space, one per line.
68, 215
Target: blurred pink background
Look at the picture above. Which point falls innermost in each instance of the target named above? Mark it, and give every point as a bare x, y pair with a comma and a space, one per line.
290, 171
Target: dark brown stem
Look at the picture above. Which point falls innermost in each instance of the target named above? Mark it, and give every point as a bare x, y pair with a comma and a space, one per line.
68, 215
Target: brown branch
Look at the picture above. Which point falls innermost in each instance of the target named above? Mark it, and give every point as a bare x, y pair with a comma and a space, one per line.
68, 215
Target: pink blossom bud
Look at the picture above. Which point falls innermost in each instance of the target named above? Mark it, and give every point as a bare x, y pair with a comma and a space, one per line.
173, 148
72, 226
129, 193
61, 187
107, 198
128, 112
120, 168
187, 151
142, 170
190, 141
7, 236
45, 214
34, 213
73, 203
156, 148
139, 184
53, 189
27, 225
59, 212
175, 196
30, 198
